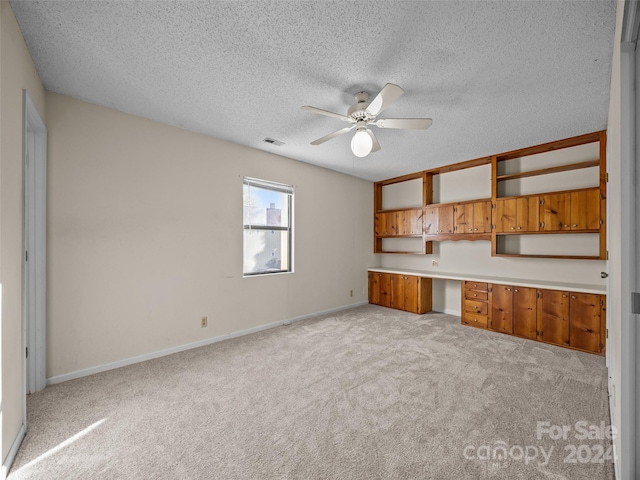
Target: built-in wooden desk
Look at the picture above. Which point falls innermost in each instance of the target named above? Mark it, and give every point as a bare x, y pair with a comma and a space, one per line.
570, 315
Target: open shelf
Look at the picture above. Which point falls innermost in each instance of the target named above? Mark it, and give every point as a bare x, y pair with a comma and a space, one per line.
548, 170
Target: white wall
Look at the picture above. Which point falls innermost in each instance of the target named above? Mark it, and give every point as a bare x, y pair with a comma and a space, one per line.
17, 72
614, 200
145, 237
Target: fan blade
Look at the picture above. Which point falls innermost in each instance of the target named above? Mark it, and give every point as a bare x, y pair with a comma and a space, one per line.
376, 145
414, 123
389, 94
332, 135
328, 114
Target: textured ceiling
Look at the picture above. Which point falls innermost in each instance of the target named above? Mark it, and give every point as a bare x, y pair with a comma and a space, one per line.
494, 76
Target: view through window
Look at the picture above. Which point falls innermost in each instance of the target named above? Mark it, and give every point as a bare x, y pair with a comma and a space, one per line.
267, 212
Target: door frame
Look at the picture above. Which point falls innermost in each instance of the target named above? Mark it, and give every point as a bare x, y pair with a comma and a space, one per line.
35, 251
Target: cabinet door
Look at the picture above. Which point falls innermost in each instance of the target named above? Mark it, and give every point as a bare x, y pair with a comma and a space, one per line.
374, 288
482, 217
502, 309
463, 218
385, 289
584, 321
504, 215
524, 312
397, 291
431, 220
386, 224
585, 210
445, 219
411, 294
410, 222
553, 317
528, 214
555, 212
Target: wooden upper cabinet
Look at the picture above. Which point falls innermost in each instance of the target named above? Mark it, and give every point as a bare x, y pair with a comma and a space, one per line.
584, 312
525, 312
386, 224
553, 317
445, 219
438, 220
505, 215
501, 308
555, 212
409, 222
585, 209
431, 220
528, 214
482, 217
463, 218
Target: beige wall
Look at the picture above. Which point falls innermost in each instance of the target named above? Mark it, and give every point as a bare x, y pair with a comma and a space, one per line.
17, 72
145, 237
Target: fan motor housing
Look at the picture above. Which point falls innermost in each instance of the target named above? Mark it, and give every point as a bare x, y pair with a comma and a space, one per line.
358, 111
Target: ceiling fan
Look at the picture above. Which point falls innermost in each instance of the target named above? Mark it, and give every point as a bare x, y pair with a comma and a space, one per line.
362, 114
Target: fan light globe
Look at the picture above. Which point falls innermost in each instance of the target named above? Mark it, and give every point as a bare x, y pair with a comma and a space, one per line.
361, 144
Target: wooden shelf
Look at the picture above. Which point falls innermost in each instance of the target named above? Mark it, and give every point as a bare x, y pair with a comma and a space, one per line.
571, 257
545, 171
415, 235
457, 236
547, 232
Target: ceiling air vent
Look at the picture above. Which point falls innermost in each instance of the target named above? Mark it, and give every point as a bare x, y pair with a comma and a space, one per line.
277, 143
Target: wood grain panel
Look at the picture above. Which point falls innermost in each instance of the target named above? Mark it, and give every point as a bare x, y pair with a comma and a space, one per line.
502, 309
584, 320
553, 317
482, 217
585, 209
555, 212
525, 312
528, 214
505, 215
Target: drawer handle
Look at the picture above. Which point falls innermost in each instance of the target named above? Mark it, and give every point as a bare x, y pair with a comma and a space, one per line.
475, 319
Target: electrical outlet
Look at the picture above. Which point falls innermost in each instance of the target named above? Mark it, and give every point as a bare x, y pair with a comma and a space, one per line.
434, 263
351, 293
204, 321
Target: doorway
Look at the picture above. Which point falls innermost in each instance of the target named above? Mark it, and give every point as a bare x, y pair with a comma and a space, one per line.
34, 234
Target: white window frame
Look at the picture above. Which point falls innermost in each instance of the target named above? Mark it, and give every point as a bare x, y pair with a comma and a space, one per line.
276, 187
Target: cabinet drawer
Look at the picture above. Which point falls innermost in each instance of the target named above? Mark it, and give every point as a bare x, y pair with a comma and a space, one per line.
475, 320
473, 306
475, 286
475, 295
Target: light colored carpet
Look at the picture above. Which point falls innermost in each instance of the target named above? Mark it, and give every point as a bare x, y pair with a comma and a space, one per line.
367, 393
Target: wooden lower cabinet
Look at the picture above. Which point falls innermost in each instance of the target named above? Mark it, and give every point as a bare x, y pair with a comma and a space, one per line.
568, 319
553, 317
403, 292
475, 304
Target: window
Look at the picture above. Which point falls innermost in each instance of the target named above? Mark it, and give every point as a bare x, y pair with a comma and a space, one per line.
267, 212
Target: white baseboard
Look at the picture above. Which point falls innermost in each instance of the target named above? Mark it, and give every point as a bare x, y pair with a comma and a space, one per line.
13, 451
201, 343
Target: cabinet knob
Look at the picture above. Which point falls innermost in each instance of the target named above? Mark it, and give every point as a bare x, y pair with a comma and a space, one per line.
575, 225
519, 228
564, 295
573, 296
508, 289
513, 228
566, 226
475, 319
475, 294
476, 229
516, 290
